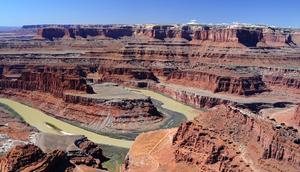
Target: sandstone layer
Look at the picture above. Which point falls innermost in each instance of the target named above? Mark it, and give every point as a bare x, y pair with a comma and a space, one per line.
253, 69
297, 115
235, 35
77, 97
223, 139
32, 158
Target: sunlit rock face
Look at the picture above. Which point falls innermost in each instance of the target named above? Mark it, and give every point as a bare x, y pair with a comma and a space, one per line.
247, 36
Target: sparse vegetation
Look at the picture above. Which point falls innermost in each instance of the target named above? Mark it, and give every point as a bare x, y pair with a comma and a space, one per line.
116, 155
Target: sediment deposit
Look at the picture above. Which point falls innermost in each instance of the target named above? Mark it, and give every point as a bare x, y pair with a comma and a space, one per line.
252, 69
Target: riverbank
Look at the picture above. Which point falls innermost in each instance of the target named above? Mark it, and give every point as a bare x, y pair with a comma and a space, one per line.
168, 103
115, 148
38, 119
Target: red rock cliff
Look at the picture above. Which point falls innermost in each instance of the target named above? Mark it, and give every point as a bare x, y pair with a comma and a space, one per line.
222, 82
217, 132
32, 158
240, 35
54, 82
52, 33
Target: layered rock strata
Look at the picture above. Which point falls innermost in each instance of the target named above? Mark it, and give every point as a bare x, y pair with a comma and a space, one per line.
297, 115
223, 139
237, 35
32, 158
231, 83
74, 89
51, 80
269, 140
284, 81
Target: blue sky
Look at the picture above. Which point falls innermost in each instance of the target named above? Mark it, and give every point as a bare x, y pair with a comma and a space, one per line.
274, 12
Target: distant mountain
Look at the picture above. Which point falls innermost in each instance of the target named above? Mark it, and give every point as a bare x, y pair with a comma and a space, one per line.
8, 28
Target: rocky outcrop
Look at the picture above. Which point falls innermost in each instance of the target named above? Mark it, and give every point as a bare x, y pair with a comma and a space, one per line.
46, 80
124, 74
297, 115
223, 139
13, 130
32, 158
246, 36
190, 98
296, 38
200, 146
52, 33
90, 148
98, 115
231, 83
233, 126
283, 81
72, 87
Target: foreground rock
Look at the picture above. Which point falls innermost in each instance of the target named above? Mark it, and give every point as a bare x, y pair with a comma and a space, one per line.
13, 130
31, 158
224, 139
58, 68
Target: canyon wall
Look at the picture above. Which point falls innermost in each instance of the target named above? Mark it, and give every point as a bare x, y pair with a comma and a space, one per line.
64, 92
222, 139
231, 83
124, 74
297, 115
51, 80
246, 36
209, 140
54, 33
199, 146
188, 97
283, 81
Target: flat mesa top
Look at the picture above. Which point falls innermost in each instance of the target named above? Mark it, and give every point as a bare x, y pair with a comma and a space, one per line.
111, 91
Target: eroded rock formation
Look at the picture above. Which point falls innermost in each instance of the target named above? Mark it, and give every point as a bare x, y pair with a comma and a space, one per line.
269, 140
77, 97
297, 115
240, 84
237, 35
32, 158
59, 68
84, 32
203, 147
283, 81
52, 80
223, 139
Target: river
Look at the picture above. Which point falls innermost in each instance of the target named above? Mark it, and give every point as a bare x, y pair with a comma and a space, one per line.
48, 124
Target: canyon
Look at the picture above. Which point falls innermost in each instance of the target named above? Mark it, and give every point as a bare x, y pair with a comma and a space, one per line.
242, 83
222, 139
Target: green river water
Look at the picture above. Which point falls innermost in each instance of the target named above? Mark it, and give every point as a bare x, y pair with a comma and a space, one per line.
48, 124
